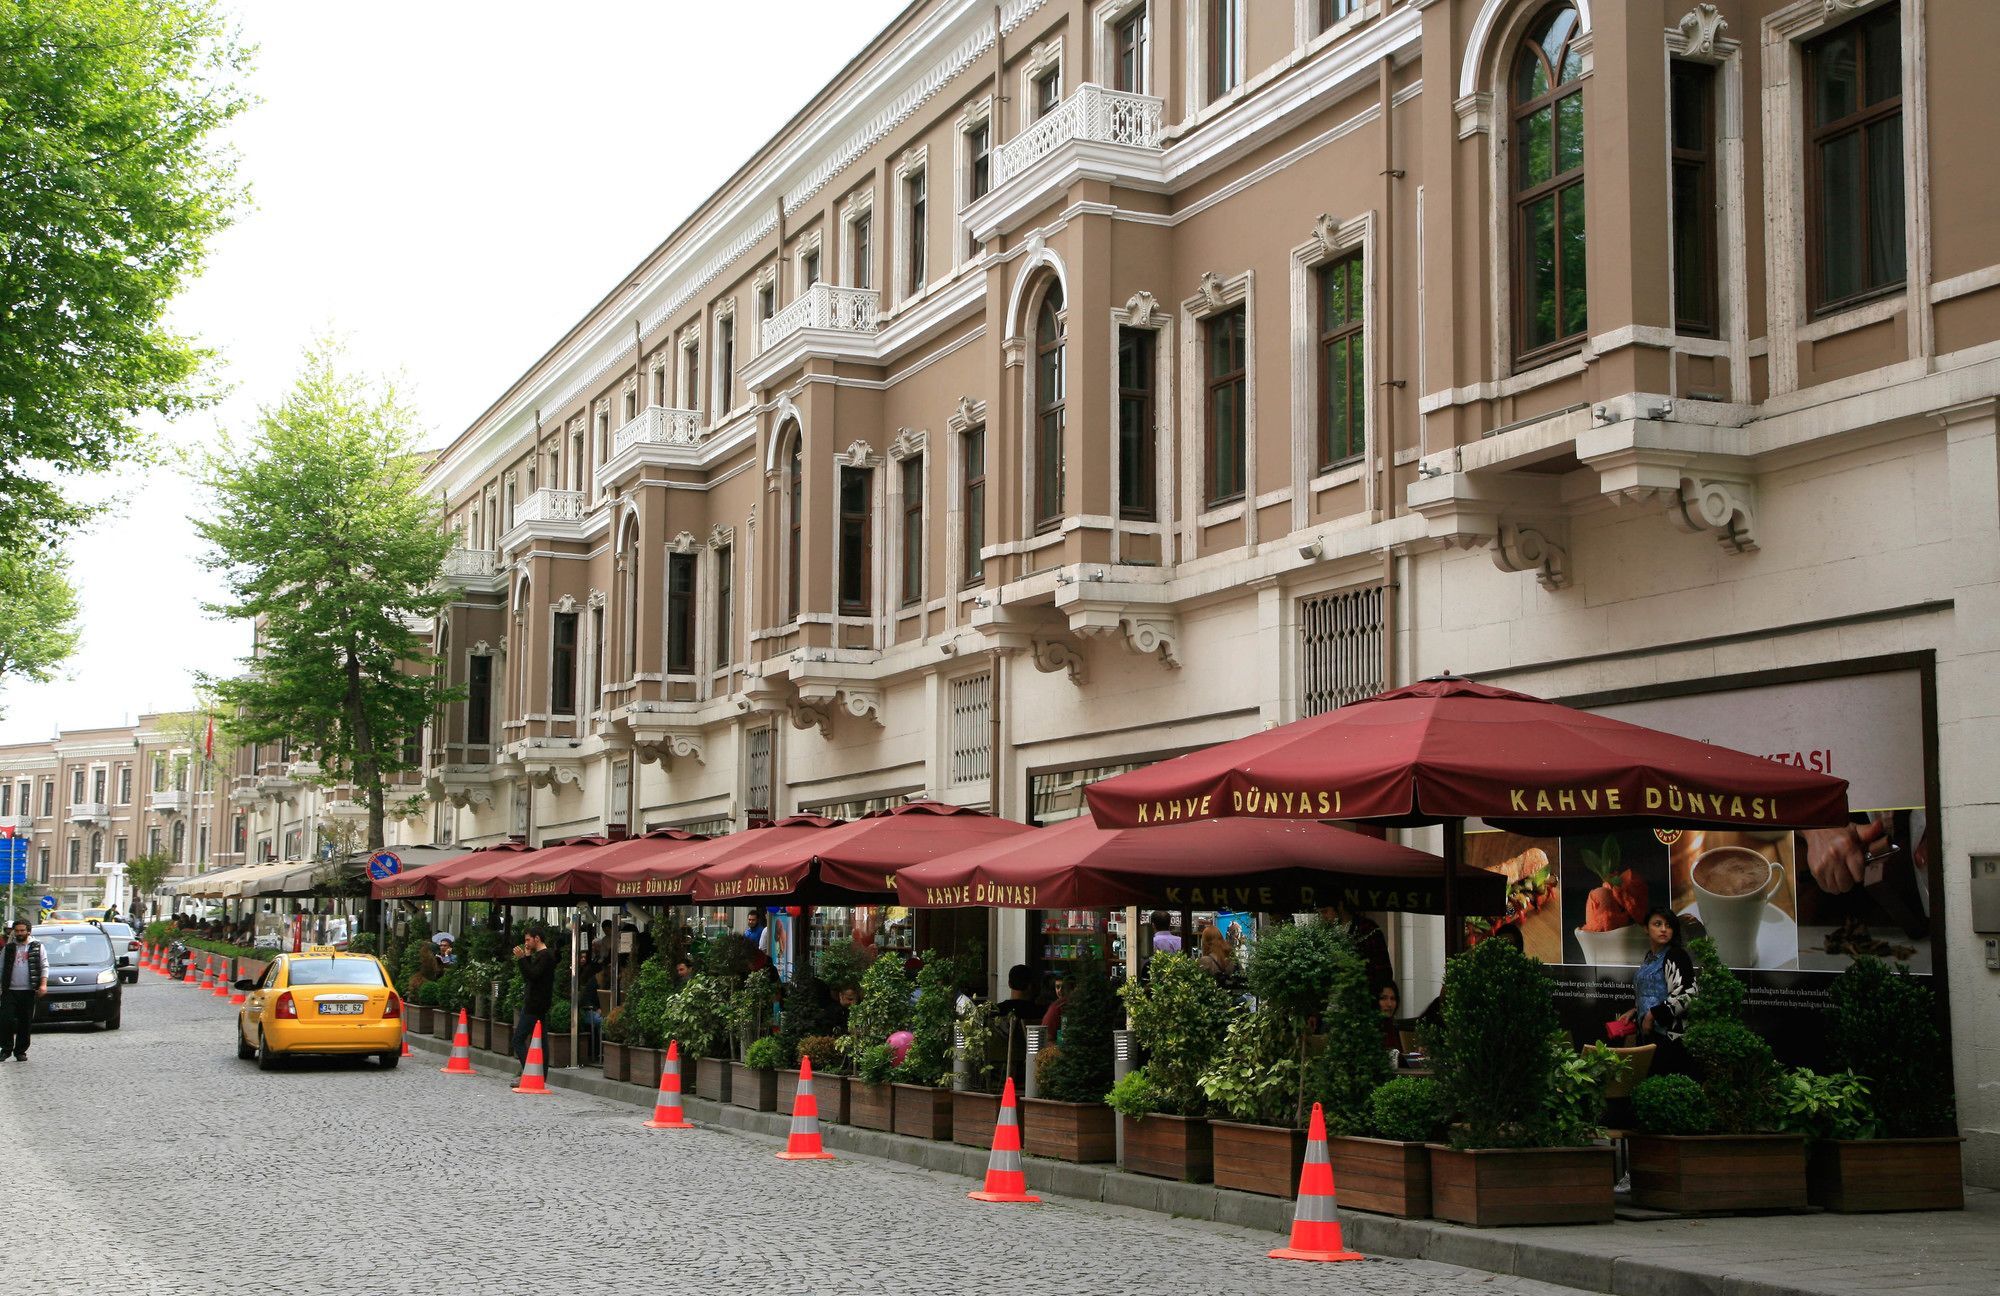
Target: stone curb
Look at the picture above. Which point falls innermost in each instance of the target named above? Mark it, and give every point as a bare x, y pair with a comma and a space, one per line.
1512, 1252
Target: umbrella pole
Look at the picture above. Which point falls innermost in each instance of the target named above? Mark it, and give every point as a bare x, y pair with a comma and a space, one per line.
1454, 851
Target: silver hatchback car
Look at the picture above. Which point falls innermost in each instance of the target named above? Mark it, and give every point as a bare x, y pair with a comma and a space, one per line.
125, 943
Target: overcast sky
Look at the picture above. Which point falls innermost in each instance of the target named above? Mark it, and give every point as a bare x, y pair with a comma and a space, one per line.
450, 184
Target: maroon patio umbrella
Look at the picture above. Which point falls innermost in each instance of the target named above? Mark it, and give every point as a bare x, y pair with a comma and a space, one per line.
1448, 749
474, 883
557, 873
421, 884
1262, 865
855, 863
656, 873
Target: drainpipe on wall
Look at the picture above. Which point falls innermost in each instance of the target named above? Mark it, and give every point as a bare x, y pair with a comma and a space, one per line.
1384, 467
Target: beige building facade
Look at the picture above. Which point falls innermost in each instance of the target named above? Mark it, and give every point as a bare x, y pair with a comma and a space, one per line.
1073, 383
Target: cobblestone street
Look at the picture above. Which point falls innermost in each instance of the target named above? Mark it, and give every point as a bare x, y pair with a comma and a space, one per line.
151, 1160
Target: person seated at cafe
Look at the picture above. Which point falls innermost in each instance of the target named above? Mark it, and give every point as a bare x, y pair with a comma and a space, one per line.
1165, 941
1052, 1019
1661, 991
1368, 939
1218, 957
1388, 1000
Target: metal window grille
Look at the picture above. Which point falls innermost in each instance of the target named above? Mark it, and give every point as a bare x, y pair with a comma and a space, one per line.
1340, 648
759, 792
855, 807
971, 730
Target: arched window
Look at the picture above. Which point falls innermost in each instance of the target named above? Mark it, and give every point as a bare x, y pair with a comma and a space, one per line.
795, 503
1050, 393
1547, 146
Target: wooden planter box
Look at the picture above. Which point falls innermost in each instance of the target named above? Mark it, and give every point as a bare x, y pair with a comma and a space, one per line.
482, 1035
1169, 1147
973, 1116
1486, 1187
1263, 1159
1383, 1175
555, 1050
444, 1024
642, 1066
1688, 1173
871, 1106
829, 1091
923, 1112
616, 1060
1067, 1131
417, 1018
1851, 1175
751, 1088
711, 1079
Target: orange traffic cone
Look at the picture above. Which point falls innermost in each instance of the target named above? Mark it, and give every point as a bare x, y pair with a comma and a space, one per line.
406, 1044
190, 978
1005, 1181
532, 1074
460, 1062
207, 974
804, 1143
237, 997
667, 1107
1315, 1231
222, 981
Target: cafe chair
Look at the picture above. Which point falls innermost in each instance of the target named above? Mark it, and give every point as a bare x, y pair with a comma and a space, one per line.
1638, 1062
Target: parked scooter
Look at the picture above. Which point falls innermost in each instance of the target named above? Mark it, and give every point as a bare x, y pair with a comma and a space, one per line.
177, 960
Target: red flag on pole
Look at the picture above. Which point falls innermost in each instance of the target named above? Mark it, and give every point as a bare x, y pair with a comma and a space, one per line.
208, 743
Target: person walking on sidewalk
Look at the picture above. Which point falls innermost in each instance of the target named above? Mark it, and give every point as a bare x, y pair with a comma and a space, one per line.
537, 963
24, 978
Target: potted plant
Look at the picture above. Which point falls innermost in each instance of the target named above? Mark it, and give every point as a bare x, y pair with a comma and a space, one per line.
646, 1007
829, 1081
1885, 1031
698, 1018
750, 1086
1742, 1159
987, 1042
1387, 1169
1496, 1058
616, 1032
1067, 1119
922, 1079
884, 1009
1178, 1017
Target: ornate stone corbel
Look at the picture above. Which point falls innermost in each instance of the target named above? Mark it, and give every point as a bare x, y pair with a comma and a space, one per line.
1475, 114
1326, 233
1148, 635
682, 543
1142, 310
1723, 506
807, 715
908, 443
596, 600
1538, 549
863, 703
859, 454
1211, 291
686, 742
480, 649
1052, 655
561, 774
567, 603
720, 536
969, 414
1700, 28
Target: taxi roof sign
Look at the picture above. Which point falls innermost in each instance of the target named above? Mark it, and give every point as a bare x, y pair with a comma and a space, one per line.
320, 950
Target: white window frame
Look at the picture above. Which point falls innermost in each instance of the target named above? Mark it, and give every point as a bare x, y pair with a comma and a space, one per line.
861, 455
690, 375
724, 398
970, 414
913, 162
1217, 295
1331, 241
1197, 55
809, 248
859, 206
1141, 311
1043, 59
977, 113
909, 444
721, 539
1693, 43
1105, 17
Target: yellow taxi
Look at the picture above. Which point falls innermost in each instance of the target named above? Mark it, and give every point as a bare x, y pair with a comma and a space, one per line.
320, 1002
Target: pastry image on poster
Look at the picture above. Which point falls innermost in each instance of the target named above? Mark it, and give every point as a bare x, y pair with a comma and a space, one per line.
1864, 890
1533, 891
1737, 889
1609, 881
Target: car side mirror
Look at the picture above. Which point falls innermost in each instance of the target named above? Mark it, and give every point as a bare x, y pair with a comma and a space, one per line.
245, 983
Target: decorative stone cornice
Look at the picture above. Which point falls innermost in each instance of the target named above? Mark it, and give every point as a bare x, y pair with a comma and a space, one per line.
1142, 310
1701, 36
908, 444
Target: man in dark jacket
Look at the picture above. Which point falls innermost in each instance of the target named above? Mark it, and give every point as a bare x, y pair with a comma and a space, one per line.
24, 978
537, 963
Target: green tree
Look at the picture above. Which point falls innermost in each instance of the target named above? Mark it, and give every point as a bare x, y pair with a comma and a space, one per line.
38, 610
112, 184
144, 873
328, 543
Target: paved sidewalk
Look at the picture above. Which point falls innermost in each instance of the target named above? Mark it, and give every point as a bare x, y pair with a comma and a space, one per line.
1933, 1253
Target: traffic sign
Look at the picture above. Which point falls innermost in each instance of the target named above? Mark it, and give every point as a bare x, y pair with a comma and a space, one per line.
48, 902
384, 864
13, 858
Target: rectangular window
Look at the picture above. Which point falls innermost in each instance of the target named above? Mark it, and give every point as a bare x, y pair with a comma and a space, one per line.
43, 859
861, 233
810, 267
795, 508
596, 696
663, 394
1223, 54
6, 799
1137, 432
1691, 120
76, 787
725, 606
916, 207
767, 302
855, 557
978, 161
725, 365
48, 798
1332, 11
123, 852
76, 855
1227, 386
413, 750
691, 376
201, 848
680, 614
100, 782
152, 841
1340, 648
631, 412
124, 785
242, 835
1854, 160
562, 666
478, 701
974, 447
1048, 91
757, 786
1128, 53
1343, 387
913, 530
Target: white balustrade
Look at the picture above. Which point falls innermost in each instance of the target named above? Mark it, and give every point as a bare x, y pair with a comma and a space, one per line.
546, 505
658, 425
469, 562
1090, 113
825, 306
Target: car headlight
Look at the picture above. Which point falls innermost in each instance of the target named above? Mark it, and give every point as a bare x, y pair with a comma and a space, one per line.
107, 976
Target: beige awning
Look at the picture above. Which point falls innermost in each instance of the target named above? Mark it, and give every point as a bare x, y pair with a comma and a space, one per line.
240, 880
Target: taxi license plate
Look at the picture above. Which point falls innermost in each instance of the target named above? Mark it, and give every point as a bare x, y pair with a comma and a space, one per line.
73, 1005
339, 1009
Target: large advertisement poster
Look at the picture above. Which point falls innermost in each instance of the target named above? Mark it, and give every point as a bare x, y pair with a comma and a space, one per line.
1787, 910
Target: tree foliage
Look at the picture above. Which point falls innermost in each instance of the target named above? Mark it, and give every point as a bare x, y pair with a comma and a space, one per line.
1495, 1055
38, 610
112, 184
328, 543
144, 873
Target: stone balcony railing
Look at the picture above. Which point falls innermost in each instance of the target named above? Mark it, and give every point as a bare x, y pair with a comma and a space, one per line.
826, 307
547, 505
1091, 113
659, 426
171, 801
89, 812
470, 562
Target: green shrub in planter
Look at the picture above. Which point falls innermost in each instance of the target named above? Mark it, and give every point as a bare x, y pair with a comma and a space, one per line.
841, 966
697, 1017
1343, 1076
1255, 1078
765, 1054
1082, 1070
1672, 1104
1885, 1029
1739, 1073
750, 1005
1179, 1016
884, 1008
647, 1001
617, 1028
808, 1009
1292, 969
1835, 1106
824, 1050
877, 1062
980, 1027
1046, 1062
364, 943
928, 1061
1408, 1109
1494, 1053
1575, 1112
1135, 1096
